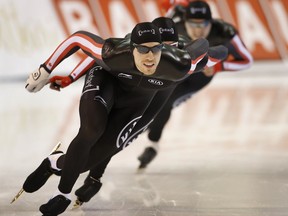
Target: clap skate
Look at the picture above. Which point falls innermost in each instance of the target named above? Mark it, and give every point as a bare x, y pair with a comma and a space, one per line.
146, 157
90, 187
55, 206
39, 177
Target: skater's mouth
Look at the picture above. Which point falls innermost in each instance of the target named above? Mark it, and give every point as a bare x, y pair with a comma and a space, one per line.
149, 65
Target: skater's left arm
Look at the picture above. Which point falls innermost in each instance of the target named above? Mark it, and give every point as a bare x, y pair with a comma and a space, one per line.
239, 58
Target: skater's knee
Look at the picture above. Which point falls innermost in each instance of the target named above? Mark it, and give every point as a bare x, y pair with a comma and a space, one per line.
91, 134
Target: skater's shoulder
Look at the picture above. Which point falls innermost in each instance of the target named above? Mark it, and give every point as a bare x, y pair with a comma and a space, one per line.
223, 28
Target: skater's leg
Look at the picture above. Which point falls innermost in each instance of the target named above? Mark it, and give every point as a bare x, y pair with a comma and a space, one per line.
92, 183
155, 106
182, 93
155, 131
124, 126
91, 128
94, 110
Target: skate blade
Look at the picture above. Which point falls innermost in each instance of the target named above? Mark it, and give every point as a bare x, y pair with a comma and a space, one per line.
77, 204
56, 147
22, 190
141, 170
17, 195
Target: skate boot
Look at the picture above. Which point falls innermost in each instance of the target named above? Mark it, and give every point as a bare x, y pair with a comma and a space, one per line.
32, 184
39, 177
146, 157
90, 187
55, 206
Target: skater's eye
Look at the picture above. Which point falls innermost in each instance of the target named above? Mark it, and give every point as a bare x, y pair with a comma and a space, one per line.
202, 24
145, 49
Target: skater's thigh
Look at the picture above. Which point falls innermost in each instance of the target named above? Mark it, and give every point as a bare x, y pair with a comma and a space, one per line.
96, 101
116, 135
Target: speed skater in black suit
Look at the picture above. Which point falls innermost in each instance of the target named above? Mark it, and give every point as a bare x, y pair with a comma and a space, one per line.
195, 21
169, 35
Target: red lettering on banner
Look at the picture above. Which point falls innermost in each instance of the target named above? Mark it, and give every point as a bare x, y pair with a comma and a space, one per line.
120, 16
149, 11
262, 28
253, 28
75, 15
277, 15
105, 18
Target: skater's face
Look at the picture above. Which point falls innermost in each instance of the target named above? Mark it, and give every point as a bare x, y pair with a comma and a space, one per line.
197, 28
147, 56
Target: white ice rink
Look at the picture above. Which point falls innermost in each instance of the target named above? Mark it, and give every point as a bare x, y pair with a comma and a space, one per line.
223, 153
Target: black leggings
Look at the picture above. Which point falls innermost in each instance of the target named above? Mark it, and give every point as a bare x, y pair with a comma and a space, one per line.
154, 107
91, 129
182, 92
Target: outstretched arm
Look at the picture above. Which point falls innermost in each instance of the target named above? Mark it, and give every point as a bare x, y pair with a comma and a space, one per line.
239, 58
89, 43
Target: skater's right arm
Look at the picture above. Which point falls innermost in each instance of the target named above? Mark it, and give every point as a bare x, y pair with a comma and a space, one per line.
89, 43
58, 82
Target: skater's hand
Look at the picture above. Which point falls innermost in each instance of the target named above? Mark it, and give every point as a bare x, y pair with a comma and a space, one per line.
210, 71
37, 80
58, 82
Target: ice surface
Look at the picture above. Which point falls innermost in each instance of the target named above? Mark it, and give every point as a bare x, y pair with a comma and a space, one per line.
229, 160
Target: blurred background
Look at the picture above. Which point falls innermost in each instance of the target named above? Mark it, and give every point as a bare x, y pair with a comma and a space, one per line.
243, 112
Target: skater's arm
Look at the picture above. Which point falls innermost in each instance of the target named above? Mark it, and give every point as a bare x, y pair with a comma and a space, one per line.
89, 43
239, 58
58, 82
